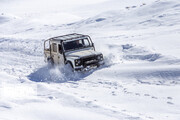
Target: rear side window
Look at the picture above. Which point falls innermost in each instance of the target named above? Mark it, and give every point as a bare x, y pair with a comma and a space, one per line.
54, 47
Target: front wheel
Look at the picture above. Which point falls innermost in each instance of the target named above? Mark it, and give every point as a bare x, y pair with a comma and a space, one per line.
69, 66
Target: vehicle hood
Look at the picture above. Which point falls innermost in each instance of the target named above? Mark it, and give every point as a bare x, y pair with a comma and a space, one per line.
82, 53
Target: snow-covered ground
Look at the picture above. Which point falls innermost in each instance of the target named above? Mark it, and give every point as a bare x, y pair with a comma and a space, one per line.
140, 43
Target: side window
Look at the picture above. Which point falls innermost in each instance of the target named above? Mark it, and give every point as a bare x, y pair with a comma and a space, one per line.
80, 42
86, 42
54, 47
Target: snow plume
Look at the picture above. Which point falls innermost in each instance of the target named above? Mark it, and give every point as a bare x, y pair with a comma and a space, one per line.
56, 74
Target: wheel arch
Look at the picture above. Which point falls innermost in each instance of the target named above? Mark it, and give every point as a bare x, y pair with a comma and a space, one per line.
68, 61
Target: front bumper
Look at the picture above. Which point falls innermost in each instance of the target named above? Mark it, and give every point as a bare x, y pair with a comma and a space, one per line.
86, 67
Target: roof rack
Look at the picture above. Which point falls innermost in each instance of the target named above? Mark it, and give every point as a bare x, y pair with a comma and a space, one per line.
68, 37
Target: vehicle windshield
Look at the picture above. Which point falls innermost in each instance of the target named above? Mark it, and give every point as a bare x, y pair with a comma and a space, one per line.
77, 44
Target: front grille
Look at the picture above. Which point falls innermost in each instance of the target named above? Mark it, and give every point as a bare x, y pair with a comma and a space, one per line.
89, 60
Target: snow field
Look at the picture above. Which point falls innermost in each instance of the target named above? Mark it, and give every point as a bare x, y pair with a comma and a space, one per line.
140, 43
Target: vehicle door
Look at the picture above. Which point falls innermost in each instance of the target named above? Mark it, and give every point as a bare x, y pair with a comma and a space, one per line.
54, 52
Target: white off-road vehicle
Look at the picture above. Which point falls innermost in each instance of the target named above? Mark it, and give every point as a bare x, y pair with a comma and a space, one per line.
74, 50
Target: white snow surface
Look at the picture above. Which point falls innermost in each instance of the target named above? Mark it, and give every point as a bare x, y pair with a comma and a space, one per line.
140, 43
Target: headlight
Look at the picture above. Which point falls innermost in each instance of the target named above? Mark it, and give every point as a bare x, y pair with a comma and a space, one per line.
100, 57
77, 62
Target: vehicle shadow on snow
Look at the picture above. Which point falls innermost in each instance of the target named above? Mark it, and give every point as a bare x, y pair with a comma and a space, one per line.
57, 75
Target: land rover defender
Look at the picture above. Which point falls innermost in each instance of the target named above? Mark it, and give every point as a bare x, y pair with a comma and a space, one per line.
74, 50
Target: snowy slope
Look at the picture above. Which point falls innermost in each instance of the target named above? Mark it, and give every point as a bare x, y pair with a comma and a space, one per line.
140, 43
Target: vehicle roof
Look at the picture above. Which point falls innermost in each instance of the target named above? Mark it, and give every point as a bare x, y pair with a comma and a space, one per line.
68, 37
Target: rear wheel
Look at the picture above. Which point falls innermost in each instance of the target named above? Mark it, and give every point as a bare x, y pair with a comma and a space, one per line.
50, 62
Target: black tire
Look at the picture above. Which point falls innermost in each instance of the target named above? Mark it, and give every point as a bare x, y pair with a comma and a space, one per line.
50, 62
98, 66
69, 66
